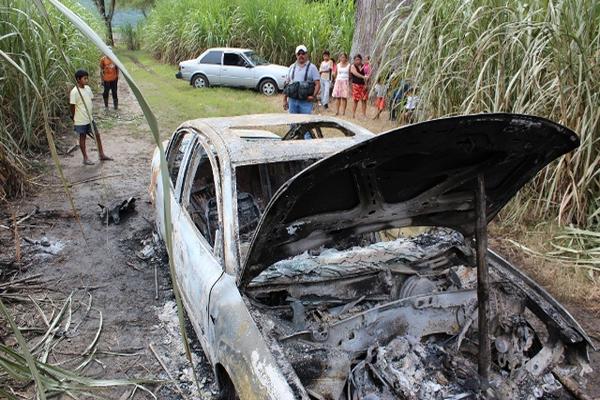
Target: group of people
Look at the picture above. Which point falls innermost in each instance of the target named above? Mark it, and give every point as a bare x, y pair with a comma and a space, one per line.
349, 80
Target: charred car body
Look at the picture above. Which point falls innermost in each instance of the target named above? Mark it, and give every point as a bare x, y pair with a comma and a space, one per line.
299, 286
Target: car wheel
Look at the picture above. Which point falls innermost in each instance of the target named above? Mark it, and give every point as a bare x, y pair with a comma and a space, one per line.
199, 81
226, 387
268, 87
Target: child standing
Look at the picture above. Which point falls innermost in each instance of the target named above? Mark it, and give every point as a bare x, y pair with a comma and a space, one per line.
380, 93
80, 100
412, 101
341, 89
326, 71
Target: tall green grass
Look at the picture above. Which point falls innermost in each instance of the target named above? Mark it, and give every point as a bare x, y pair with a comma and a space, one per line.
181, 30
537, 57
26, 41
131, 35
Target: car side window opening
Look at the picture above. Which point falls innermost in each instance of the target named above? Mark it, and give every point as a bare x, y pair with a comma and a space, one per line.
255, 185
202, 206
213, 57
176, 153
234, 60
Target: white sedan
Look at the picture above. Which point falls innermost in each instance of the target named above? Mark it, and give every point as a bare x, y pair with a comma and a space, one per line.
234, 68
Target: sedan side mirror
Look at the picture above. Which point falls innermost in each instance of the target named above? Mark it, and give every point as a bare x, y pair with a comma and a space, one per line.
249, 66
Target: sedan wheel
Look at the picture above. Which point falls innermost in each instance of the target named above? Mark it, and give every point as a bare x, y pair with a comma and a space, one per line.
199, 81
268, 87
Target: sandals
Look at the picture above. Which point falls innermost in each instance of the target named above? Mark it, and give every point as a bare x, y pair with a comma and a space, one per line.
88, 162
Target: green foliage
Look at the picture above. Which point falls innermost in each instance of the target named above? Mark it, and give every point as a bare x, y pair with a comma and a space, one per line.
179, 30
26, 41
131, 35
540, 58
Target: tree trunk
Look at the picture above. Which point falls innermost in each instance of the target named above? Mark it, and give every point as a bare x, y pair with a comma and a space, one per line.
107, 15
367, 19
109, 32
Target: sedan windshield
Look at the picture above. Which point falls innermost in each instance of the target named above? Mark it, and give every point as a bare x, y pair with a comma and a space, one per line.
255, 58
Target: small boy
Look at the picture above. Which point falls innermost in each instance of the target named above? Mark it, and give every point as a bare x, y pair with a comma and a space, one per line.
81, 114
412, 101
380, 93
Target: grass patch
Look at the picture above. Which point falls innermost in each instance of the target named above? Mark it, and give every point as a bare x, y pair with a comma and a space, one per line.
175, 101
565, 281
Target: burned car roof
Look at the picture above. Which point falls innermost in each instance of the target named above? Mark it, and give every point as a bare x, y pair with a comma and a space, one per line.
239, 135
417, 175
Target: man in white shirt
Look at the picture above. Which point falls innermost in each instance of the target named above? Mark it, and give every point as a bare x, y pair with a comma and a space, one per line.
80, 100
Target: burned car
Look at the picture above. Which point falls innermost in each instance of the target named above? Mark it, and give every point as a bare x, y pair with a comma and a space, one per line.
300, 277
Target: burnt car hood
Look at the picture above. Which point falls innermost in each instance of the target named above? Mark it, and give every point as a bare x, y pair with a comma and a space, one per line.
418, 175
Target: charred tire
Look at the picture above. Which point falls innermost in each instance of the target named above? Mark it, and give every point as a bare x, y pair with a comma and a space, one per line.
268, 87
226, 386
199, 81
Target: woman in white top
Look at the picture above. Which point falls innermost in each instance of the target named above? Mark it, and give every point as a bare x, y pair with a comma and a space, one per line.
341, 88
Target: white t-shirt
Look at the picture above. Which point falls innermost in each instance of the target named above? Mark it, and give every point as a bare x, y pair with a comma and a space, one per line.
411, 102
81, 115
326, 69
343, 72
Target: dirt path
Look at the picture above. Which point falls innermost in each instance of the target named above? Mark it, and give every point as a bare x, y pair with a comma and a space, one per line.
106, 270
99, 265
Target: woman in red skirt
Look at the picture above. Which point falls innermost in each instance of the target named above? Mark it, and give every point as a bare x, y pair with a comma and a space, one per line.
359, 87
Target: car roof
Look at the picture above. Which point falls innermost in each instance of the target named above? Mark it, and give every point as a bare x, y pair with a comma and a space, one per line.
233, 49
247, 139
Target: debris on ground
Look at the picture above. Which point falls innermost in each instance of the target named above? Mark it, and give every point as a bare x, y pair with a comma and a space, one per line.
172, 354
116, 210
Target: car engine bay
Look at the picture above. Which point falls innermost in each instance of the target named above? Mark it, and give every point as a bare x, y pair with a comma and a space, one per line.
388, 317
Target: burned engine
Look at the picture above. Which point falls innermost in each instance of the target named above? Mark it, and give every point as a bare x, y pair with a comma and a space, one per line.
398, 319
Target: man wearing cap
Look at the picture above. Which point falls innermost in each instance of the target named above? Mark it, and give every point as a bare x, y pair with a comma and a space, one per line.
303, 84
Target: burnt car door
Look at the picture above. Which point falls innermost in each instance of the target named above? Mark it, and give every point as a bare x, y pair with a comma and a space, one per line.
197, 230
176, 151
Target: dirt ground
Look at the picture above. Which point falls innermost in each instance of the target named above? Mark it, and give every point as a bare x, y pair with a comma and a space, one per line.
97, 263
104, 275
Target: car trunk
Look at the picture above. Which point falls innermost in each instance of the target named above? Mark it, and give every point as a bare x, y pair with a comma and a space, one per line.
355, 309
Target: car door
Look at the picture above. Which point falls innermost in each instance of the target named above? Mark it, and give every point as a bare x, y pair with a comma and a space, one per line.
237, 71
210, 65
175, 153
197, 231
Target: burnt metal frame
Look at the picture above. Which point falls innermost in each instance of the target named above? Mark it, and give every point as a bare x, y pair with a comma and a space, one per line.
483, 283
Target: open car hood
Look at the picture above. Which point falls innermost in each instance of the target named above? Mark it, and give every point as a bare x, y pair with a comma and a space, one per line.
418, 175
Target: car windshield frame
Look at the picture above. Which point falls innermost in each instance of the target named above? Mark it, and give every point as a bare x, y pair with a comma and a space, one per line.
255, 58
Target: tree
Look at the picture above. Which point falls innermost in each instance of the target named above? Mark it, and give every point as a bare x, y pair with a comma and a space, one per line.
107, 15
368, 17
